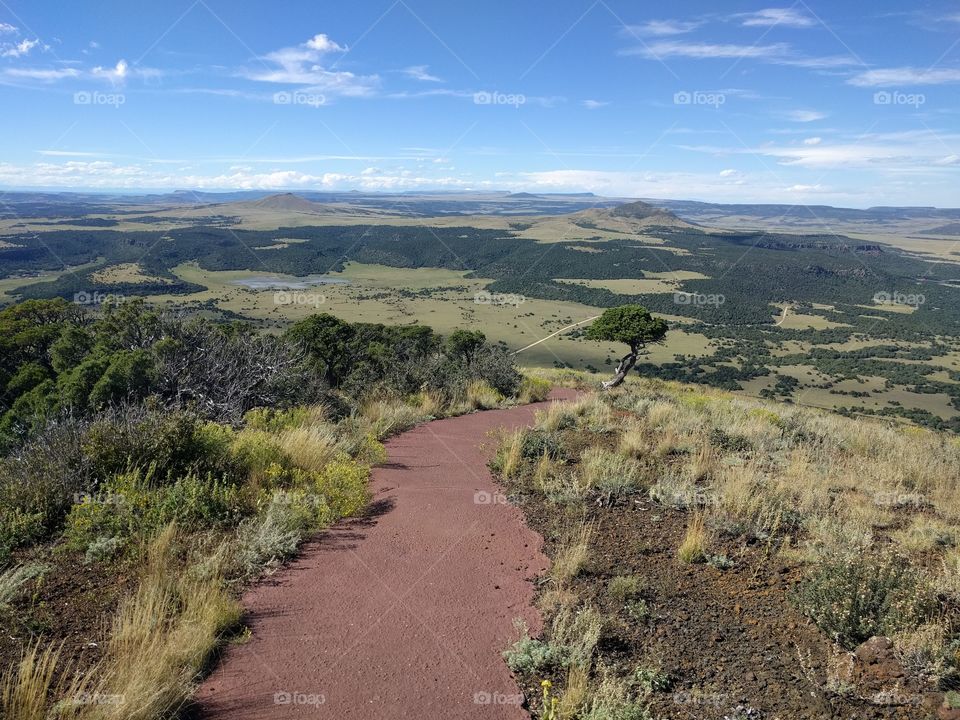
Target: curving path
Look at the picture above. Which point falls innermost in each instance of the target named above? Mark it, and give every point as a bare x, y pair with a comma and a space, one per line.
404, 613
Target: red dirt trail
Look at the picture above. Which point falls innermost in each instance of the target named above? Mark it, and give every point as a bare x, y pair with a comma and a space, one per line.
403, 613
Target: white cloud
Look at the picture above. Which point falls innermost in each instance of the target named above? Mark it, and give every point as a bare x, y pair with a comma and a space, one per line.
663, 27
675, 48
594, 104
41, 74
775, 53
804, 116
729, 173
323, 44
906, 76
300, 65
420, 72
7, 29
68, 153
769, 17
18, 49
116, 74
812, 141
903, 152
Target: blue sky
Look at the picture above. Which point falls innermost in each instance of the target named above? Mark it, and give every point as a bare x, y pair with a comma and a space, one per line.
842, 103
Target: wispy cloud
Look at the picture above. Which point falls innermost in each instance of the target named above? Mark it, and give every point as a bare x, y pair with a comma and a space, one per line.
769, 17
7, 29
594, 104
46, 75
301, 65
420, 72
804, 116
663, 27
773, 53
906, 76
698, 50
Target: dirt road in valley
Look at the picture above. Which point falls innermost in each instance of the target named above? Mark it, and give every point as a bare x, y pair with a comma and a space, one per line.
404, 613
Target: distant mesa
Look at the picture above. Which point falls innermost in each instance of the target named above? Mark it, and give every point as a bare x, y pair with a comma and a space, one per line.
640, 210
523, 195
287, 202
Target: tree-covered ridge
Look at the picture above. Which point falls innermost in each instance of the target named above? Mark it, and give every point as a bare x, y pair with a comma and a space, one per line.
750, 270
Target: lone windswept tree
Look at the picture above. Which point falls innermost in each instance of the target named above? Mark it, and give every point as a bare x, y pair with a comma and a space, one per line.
630, 324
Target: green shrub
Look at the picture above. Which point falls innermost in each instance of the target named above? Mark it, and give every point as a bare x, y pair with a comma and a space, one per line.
274, 420
19, 528
537, 443
624, 588
274, 534
653, 679
258, 453
175, 443
529, 655
102, 548
854, 597
343, 484
15, 578
131, 504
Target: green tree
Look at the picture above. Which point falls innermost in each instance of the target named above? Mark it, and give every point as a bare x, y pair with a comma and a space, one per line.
629, 324
464, 344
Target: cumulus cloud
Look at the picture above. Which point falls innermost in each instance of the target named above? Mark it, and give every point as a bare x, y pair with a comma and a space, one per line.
323, 44
812, 141
116, 74
15, 50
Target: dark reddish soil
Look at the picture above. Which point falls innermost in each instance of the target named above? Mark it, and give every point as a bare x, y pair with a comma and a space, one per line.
730, 639
402, 613
72, 603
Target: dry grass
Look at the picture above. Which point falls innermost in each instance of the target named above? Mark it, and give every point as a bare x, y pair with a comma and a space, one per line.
28, 685
388, 417
573, 555
161, 637
694, 546
575, 691
480, 396
510, 454
310, 447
